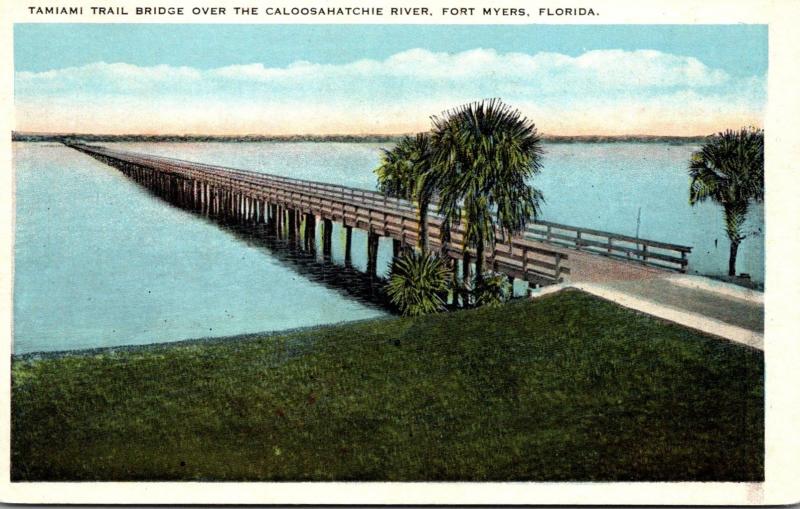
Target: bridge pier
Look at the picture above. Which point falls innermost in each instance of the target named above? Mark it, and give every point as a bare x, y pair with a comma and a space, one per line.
348, 245
272, 222
372, 253
310, 234
292, 227
327, 237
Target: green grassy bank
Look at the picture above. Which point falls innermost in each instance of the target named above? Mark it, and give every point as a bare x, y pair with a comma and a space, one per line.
569, 387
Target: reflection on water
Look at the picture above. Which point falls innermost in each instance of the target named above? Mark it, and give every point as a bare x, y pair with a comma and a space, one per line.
344, 278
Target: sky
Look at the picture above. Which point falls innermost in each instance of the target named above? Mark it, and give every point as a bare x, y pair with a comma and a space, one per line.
388, 79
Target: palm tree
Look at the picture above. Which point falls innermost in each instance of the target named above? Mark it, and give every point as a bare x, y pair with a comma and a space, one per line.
485, 153
403, 174
418, 283
729, 170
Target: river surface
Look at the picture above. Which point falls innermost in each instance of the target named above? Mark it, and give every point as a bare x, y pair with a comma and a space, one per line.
99, 261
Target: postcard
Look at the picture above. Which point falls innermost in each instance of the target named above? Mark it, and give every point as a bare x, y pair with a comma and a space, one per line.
303, 252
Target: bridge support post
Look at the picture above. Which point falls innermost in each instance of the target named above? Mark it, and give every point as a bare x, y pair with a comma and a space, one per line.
327, 237
292, 226
310, 234
372, 253
272, 225
348, 245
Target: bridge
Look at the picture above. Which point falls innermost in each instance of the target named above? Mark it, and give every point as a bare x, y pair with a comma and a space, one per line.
544, 253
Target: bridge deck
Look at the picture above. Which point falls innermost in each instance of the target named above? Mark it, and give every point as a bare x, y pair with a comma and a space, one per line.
544, 253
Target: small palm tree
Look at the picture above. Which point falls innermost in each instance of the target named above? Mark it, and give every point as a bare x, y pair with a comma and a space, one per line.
403, 174
418, 283
729, 170
485, 154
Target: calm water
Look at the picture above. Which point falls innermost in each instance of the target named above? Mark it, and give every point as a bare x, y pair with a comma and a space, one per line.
101, 262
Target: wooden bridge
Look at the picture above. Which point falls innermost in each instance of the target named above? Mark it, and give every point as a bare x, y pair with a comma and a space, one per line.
544, 253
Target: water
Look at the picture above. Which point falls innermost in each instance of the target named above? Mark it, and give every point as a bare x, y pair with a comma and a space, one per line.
101, 262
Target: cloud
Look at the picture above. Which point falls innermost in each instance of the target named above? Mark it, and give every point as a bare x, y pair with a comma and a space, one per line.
399, 91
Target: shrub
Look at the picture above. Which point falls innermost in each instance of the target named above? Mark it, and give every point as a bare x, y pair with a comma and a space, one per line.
492, 290
418, 284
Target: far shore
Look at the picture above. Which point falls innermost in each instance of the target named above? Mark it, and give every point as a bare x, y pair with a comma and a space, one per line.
319, 138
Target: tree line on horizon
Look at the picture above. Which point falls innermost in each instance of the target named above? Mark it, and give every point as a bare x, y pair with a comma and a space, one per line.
340, 138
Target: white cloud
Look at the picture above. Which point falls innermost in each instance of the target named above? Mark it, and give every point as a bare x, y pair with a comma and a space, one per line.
402, 90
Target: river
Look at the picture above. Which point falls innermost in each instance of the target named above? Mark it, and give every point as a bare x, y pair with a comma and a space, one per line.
100, 262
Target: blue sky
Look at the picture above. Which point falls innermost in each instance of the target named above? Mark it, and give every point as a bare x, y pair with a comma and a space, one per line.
390, 78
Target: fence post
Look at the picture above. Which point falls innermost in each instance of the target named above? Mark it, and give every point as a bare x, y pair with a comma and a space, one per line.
558, 267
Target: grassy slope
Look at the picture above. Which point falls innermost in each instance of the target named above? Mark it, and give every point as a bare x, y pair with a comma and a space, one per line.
566, 388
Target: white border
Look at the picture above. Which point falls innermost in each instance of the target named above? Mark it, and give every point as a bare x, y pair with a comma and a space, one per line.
782, 283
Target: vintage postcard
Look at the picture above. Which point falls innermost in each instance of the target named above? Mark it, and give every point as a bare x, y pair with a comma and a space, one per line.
420, 253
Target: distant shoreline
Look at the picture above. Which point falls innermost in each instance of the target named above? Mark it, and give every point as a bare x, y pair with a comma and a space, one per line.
332, 138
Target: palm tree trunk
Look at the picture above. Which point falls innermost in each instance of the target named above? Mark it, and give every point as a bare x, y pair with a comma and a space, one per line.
732, 258
735, 214
465, 269
479, 260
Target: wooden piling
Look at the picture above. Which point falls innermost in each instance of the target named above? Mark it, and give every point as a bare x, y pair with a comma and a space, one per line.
327, 237
310, 233
292, 227
348, 245
372, 253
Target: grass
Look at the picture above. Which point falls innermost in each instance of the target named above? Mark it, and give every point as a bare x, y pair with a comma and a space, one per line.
568, 387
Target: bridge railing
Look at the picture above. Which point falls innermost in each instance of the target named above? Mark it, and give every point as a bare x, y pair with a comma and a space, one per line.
614, 245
